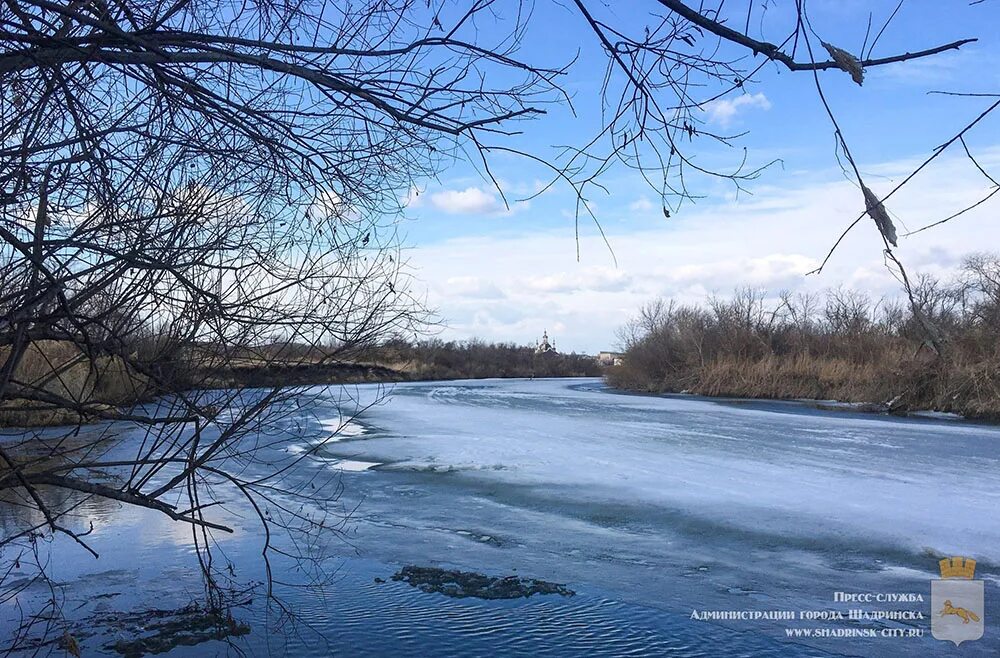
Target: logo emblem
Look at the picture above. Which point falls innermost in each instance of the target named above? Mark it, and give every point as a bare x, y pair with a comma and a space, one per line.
957, 602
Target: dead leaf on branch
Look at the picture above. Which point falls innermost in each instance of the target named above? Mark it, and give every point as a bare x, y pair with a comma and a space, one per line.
877, 212
846, 61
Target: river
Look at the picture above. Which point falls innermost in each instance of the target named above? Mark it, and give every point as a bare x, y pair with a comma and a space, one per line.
682, 524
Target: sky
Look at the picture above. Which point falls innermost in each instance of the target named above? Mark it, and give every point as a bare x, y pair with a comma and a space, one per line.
508, 273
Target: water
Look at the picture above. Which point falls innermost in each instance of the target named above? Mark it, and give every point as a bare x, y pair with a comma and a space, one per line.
650, 508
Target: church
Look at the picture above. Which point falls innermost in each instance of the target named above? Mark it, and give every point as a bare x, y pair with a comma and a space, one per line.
544, 346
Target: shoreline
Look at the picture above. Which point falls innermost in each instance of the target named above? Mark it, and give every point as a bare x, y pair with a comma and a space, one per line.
344, 374
820, 404
56, 383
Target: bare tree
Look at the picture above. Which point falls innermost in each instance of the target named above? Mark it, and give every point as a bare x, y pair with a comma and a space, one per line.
185, 184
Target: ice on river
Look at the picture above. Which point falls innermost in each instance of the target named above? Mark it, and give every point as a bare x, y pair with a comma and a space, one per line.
679, 502
774, 468
649, 507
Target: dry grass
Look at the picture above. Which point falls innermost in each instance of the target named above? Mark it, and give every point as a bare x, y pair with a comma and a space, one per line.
55, 367
59, 368
895, 380
799, 376
941, 352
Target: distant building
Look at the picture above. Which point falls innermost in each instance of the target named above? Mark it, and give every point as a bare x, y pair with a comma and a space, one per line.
610, 358
544, 346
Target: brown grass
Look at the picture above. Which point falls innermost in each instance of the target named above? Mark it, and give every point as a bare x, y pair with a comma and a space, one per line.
895, 381
59, 368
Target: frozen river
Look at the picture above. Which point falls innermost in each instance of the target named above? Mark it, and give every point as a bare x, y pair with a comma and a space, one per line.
660, 512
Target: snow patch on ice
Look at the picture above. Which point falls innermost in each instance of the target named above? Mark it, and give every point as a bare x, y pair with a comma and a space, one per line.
352, 465
342, 428
937, 415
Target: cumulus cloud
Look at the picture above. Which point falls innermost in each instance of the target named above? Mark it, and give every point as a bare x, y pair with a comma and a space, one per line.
470, 201
769, 241
593, 279
772, 271
724, 111
413, 198
472, 287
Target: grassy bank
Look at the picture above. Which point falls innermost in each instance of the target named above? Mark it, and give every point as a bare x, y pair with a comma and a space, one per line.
56, 383
895, 386
841, 346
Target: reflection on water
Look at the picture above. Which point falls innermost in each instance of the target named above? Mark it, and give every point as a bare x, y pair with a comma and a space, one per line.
648, 508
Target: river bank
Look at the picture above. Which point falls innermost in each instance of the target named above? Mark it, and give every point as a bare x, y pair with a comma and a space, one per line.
58, 383
895, 383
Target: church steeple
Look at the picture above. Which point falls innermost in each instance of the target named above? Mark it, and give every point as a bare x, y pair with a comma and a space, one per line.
544, 346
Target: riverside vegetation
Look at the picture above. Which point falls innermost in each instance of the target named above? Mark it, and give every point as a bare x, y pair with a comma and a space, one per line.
397, 360
56, 383
841, 345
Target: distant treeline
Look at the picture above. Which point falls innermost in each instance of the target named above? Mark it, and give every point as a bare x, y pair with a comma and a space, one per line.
942, 352
475, 359
393, 361
82, 386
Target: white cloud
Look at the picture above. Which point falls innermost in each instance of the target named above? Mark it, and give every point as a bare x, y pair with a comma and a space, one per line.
723, 111
472, 287
772, 271
593, 279
470, 201
533, 281
413, 199
642, 204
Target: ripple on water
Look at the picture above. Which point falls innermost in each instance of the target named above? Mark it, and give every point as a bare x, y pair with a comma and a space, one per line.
410, 622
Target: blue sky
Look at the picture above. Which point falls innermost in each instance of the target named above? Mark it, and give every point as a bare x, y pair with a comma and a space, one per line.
507, 274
